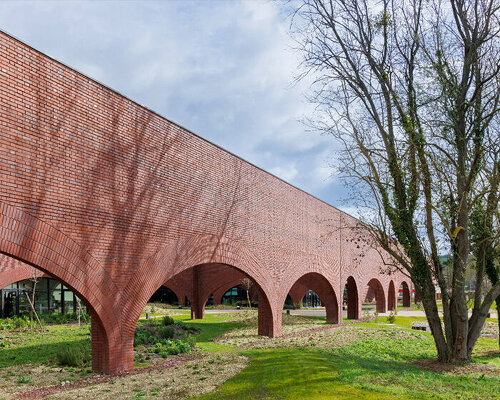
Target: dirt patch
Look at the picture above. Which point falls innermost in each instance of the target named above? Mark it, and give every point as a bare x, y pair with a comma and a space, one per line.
23, 378
180, 381
66, 385
459, 370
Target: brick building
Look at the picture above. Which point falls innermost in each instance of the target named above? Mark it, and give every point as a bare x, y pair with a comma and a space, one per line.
114, 201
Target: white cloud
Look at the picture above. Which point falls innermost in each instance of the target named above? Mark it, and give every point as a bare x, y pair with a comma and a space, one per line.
222, 69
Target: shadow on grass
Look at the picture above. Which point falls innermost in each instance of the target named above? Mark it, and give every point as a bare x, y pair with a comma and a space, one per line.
387, 366
290, 374
43, 353
211, 330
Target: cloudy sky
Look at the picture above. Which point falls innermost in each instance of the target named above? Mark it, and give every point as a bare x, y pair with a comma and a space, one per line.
223, 69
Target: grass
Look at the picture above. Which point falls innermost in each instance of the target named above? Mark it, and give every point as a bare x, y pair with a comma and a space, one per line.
370, 360
212, 326
381, 364
290, 374
36, 347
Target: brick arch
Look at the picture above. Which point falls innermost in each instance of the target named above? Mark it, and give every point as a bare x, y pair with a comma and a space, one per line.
38, 244
12, 271
406, 293
222, 289
183, 255
177, 292
225, 276
323, 288
391, 296
353, 302
376, 291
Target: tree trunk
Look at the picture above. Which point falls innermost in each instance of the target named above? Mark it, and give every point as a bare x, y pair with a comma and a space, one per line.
33, 302
477, 319
432, 314
248, 300
498, 319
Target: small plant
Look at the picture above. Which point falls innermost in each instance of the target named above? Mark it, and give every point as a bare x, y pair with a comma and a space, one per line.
24, 379
391, 318
168, 320
166, 332
74, 355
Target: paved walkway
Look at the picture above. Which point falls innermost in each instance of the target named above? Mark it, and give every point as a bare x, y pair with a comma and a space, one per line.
320, 312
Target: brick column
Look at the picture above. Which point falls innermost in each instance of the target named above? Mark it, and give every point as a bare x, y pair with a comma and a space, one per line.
197, 304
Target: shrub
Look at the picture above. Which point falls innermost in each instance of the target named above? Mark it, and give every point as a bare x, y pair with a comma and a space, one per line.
166, 332
143, 336
59, 318
74, 355
167, 347
14, 323
391, 317
21, 322
168, 320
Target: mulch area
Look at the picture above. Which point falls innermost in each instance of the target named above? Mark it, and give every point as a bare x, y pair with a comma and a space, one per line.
310, 330
40, 393
325, 327
459, 369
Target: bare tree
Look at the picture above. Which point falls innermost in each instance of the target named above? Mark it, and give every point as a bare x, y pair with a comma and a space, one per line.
411, 90
247, 285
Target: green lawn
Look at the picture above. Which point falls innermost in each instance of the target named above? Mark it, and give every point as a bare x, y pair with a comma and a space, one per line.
379, 363
371, 368
34, 347
291, 374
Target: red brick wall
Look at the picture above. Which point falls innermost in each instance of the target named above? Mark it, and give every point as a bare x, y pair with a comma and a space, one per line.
142, 199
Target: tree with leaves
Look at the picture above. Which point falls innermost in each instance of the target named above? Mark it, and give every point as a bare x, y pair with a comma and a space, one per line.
411, 90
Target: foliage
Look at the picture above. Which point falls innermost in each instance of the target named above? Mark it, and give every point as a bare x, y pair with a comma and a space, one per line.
14, 323
166, 332
166, 347
391, 318
165, 336
75, 354
411, 90
60, 318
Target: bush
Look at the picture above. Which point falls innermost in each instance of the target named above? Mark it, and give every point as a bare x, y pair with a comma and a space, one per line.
14, 323
167, 347
391, 318
166, 332
59, 318
75, 355
144, 336
168, 320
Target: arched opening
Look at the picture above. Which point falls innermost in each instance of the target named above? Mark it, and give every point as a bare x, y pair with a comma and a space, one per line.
236, 295
311, 300
165, 295
351, 298
391, 296
193, 263
28, 240
314, 283
26, 287
43, 294
376, 293
404, 294
206, 287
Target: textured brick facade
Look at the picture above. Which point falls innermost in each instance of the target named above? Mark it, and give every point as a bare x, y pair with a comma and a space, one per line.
115, 200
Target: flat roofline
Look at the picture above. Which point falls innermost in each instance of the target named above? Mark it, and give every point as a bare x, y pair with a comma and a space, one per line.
170, 121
